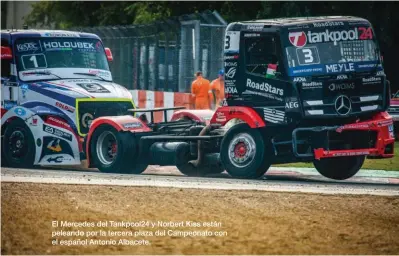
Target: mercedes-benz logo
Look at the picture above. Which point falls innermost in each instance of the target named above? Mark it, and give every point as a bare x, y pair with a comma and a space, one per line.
343, 105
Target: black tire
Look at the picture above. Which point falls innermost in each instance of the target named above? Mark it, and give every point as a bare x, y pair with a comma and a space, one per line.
18, 145
340, 168
125, 159
258, 163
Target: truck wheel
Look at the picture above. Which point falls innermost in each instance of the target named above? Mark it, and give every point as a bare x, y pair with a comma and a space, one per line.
245, 153
115, 152
339, 168
18, 145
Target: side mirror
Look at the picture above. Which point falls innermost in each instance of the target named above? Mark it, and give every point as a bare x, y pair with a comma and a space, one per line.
6, 53
109, 54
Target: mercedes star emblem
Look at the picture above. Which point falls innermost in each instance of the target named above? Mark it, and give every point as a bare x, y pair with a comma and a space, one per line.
343, 105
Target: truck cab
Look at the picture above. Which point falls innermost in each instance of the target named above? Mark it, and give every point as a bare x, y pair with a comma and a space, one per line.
53, 85
314, 87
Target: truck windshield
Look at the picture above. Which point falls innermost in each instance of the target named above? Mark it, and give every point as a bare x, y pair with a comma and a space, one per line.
52, 58
331, 51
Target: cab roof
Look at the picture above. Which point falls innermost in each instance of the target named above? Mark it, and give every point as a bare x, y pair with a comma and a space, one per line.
304, 20
19, 33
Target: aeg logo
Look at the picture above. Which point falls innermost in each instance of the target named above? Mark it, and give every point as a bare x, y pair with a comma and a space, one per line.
297, 39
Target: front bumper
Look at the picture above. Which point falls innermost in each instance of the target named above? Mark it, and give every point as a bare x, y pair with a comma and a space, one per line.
373, 138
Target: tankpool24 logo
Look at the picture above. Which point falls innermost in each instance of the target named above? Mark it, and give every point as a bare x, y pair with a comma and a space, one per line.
299, 39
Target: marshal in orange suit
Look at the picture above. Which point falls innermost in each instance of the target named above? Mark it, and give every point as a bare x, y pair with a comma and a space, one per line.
217, 86
200, 90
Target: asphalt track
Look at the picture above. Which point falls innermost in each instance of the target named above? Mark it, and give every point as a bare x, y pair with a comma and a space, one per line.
305, 180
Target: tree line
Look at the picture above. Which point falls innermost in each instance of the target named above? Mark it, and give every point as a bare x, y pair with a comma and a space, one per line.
64, 15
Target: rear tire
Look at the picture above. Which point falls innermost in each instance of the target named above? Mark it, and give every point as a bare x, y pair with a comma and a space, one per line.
245, 153
115, 152
18, 145
340, 168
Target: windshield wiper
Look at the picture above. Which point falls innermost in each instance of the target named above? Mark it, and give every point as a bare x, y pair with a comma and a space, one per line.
90, 74
44, 73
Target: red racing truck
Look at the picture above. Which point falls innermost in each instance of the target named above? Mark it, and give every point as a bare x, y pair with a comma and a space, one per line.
297, 90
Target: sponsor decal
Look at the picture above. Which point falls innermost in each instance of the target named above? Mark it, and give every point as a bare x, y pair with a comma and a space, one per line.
223, 103
58, 121
342, 77
99, 72
65, 107
335, 68
381, 73
230, 64
264, 87
327, 24
34, 122
291, 103
87, 118
371, 80
390, 130
351, 153
93, 87
57, 132
132, 125
352, 126
273, 115
20, 112
220, 117
231, 89
27, 47
338, 87
251, 35
8, 104
254, 27
385, 123
299, 79
60, 34
297, 39
361, 33
54, 145
312, 85
231, 72
68, 45
24, 89
56, 159
234, 57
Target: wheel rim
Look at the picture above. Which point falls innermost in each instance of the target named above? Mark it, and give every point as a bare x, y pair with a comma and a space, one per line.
106, 148
242, 150
17, 143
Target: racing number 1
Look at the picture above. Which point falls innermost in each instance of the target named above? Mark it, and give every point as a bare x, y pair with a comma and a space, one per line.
34, 60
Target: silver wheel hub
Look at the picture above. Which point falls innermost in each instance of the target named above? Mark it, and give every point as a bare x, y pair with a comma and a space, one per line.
106, 148
242, 150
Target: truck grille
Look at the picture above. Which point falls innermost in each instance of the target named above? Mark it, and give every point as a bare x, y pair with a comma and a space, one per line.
90, 110
331, 107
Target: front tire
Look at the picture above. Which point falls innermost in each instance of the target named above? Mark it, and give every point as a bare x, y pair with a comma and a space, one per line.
340, 168
115, 152
245, 153
18, 145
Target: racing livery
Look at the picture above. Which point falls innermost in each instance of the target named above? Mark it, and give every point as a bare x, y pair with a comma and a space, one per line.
297, 90
53, 85
394, 112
